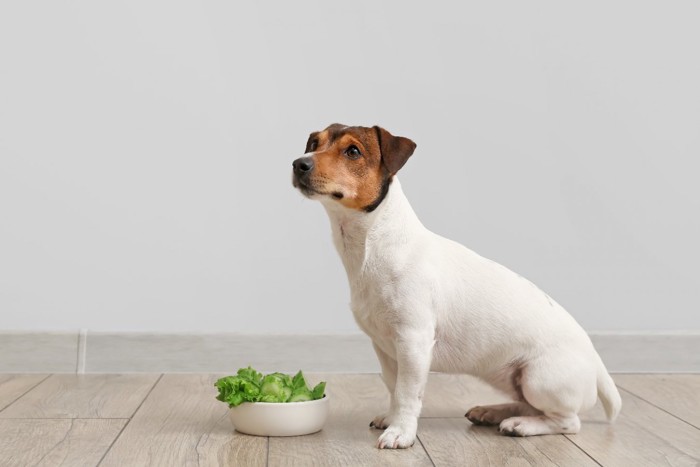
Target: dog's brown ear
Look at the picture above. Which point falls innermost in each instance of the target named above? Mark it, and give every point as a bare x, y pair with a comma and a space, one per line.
312, 142
395, 149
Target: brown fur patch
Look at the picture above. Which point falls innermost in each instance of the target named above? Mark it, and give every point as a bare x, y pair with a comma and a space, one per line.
361, 181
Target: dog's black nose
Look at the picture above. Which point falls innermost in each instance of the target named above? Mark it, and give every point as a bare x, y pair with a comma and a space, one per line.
303, 165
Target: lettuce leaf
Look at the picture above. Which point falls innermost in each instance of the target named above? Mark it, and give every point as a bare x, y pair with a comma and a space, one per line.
276, 387
251, 375
319, 390
235, 390
249, 385
301, 395
298, 381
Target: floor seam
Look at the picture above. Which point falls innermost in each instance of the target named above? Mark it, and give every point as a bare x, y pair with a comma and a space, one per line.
425, 450
658, 407
109, 448
25, 392
582, 450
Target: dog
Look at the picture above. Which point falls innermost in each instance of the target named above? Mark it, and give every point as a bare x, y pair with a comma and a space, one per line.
431, 304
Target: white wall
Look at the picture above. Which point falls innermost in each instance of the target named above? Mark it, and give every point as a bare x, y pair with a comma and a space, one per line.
146, 154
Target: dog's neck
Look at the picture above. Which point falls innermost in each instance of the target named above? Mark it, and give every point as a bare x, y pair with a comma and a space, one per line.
359, 234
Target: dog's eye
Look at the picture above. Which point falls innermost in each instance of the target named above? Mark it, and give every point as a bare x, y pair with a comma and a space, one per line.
352, 152
313, 145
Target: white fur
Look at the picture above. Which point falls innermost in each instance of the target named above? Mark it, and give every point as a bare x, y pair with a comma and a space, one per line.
429, 303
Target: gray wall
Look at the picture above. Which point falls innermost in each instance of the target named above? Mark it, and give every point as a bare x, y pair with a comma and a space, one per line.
146, 147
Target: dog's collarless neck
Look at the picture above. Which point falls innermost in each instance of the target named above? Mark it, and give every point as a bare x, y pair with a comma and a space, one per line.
355, 231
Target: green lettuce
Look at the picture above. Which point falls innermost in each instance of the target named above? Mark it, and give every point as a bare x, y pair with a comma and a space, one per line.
248, 385
276, 387
244, 387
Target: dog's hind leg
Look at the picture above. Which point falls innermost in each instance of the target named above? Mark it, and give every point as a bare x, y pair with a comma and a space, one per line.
495, 414
506, 379
559, 386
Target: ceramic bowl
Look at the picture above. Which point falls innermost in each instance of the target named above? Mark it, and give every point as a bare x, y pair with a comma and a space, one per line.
280, 419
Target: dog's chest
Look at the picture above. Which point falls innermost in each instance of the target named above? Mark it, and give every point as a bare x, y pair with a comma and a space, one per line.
373, 266
373, 309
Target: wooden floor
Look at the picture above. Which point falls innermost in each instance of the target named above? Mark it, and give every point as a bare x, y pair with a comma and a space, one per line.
174, 420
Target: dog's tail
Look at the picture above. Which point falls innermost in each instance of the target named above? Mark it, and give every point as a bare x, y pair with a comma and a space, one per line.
608, 393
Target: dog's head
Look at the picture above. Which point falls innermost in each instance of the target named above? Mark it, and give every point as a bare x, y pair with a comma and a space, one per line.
352, 165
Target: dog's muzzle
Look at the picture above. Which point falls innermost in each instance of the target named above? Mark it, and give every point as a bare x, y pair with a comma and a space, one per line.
303, 166
302, 173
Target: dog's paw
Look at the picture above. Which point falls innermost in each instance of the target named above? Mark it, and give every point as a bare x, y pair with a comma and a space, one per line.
512, 427
540, 425
483, 416
527, 426
397, 437
381, 422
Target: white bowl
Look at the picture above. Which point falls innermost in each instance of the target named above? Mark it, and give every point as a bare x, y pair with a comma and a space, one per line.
280, 419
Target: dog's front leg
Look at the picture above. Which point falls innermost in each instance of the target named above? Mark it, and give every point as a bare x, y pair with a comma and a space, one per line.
389, 369
413, 356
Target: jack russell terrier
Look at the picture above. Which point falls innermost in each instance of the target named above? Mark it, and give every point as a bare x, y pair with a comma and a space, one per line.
430, 304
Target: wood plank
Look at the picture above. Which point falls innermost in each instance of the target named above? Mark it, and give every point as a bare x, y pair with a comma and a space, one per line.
83, 396
643, 435
676, 394
181, 423
448, 395
56, 442
346, 439
454, 442
13, 386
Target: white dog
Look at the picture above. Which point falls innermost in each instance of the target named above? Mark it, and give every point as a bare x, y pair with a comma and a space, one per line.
429, 303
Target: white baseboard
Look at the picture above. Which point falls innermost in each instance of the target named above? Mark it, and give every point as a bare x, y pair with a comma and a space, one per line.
98, 352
